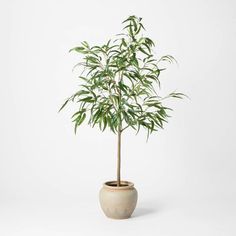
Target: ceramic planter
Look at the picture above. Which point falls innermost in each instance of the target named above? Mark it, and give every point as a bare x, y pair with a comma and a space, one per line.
118, 202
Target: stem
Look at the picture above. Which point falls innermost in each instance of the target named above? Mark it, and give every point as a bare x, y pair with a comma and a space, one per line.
119, 136
124, 128
118, 157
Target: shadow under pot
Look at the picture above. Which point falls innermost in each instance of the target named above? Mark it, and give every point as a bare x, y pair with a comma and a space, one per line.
118, 202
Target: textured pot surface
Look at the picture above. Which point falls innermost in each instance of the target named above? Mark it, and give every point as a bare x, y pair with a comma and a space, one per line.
118, 202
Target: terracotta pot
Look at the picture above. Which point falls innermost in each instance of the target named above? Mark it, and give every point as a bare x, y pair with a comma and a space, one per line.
118, 202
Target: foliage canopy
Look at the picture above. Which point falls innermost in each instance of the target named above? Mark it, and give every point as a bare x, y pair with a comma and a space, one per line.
119, 83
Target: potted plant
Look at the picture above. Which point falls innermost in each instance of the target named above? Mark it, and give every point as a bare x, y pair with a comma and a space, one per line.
118, 90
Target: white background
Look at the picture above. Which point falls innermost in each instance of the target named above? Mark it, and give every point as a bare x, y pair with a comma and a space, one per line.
185, 174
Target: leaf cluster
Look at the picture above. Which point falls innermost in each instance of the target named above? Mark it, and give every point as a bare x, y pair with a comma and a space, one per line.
119, 83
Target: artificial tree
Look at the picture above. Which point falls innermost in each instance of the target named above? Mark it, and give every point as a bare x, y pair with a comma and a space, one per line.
119, 85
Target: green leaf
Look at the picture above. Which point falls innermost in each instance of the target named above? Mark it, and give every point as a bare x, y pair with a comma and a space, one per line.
134, 62
143, 51
78, 49
85, 44
177, 95
79, 93
64, 104
87, 99
124, 43
105, 123
79, 121
135, 25
78, 113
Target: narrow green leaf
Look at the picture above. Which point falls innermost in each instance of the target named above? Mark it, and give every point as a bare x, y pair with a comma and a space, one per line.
78, 49
64, 105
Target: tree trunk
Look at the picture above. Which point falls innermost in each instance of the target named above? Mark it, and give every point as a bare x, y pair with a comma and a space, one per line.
119, 135
118, 156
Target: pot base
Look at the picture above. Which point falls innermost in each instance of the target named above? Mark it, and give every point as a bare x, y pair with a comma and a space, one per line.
118, 202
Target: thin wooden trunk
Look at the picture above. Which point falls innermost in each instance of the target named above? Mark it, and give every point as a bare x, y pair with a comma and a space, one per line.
118, 157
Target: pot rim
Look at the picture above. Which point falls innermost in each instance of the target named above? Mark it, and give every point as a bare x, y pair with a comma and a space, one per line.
127, 184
